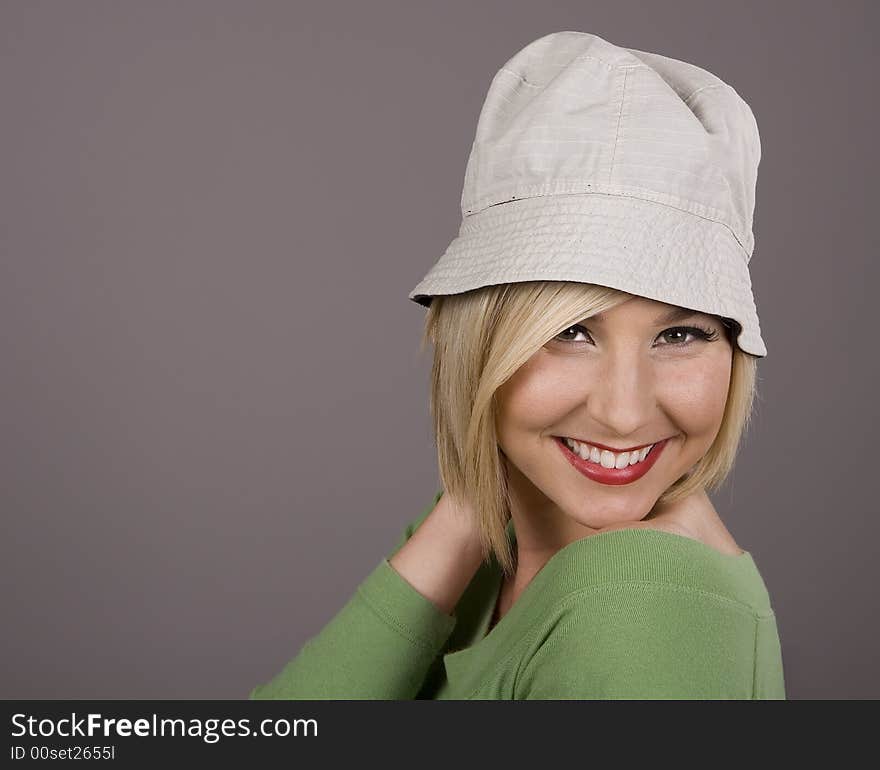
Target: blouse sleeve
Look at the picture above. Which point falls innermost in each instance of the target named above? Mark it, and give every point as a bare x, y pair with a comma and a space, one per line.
645, 642
379, 646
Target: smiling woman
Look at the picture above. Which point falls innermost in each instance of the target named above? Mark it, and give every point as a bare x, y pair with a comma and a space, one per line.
504, 376
542, 570
595, 346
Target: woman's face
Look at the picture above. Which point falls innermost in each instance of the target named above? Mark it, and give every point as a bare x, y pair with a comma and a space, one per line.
626, 378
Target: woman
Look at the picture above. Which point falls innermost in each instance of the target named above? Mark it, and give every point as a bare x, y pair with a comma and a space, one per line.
595, 349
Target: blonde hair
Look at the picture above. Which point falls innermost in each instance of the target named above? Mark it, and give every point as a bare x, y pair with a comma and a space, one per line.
480, 339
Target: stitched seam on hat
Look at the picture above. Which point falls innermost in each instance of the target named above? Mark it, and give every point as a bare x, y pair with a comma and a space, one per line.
521, 78
608, 65
641, 193
500, 218
705, 88
617, 131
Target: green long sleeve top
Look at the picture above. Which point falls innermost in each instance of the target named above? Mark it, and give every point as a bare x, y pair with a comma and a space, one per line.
626, 614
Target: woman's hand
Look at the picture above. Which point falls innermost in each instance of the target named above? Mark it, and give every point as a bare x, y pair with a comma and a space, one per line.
441, 557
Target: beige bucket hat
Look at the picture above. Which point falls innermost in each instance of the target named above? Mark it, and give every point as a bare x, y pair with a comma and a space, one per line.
608, 165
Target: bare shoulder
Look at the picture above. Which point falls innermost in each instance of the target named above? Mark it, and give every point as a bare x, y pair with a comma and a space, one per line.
720, 540
696, 517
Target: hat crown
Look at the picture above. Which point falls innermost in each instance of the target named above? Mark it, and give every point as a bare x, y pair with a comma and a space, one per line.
572, 113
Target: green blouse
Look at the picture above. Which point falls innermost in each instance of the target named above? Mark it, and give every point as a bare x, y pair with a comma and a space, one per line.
631, 613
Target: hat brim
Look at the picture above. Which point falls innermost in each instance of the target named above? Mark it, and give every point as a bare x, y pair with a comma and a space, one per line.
639, 246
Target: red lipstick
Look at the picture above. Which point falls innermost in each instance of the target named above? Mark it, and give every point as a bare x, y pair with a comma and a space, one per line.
597, 472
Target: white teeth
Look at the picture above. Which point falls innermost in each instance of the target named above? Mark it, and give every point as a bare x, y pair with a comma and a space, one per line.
604, 457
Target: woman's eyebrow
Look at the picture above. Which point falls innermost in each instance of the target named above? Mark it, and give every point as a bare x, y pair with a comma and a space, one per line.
671, 316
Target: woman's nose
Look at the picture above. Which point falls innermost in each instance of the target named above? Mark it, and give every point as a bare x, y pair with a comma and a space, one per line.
622, 397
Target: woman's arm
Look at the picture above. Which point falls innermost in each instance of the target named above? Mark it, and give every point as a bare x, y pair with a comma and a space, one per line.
380, 645
443, 554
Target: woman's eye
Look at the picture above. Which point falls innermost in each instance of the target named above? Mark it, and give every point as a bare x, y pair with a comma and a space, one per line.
697, 332
571, 328
676, 336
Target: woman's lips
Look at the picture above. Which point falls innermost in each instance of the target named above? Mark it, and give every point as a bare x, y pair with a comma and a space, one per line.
609, 448
603, 475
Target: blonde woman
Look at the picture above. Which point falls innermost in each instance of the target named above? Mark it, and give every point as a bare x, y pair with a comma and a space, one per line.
595, 347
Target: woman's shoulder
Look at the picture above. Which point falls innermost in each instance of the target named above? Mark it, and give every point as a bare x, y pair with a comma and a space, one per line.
696, 517
667, 562
718, 539
641, 640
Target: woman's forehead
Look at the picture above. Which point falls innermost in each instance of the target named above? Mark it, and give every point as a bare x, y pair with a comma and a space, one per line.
650, 310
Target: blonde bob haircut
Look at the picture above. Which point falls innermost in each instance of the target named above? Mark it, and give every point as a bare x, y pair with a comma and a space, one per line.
480, 339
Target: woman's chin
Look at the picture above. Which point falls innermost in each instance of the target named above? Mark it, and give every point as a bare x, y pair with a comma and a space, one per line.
596, 519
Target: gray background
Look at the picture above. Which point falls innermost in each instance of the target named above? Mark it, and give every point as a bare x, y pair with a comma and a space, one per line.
214, 414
